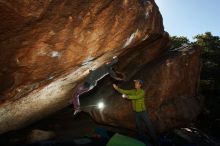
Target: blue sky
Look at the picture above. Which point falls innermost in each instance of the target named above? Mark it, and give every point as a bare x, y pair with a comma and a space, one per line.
190, 17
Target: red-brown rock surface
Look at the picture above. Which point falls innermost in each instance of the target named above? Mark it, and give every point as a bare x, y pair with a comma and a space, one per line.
48, 46
44, 39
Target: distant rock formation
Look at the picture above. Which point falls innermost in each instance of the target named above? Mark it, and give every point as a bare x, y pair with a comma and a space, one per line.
48, 46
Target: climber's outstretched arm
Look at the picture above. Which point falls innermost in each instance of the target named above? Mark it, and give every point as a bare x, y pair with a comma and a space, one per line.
114, 75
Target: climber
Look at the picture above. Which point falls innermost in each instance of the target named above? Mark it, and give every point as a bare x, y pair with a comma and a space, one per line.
92, 79
137, 97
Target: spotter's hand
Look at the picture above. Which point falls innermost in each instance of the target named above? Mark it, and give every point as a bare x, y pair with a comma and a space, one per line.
115, 86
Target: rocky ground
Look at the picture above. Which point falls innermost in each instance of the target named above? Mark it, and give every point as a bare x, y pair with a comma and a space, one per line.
59, 126
62, 128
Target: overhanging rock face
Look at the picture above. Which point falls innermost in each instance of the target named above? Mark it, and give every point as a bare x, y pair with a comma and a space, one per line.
54, 37
48, 46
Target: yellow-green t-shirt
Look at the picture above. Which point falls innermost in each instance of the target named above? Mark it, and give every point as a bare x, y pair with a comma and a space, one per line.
137, 98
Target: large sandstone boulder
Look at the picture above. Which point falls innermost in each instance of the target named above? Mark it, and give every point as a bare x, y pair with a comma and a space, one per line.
47, 47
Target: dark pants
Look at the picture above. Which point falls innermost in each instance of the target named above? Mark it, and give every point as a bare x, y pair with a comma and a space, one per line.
80, 89
143, 122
